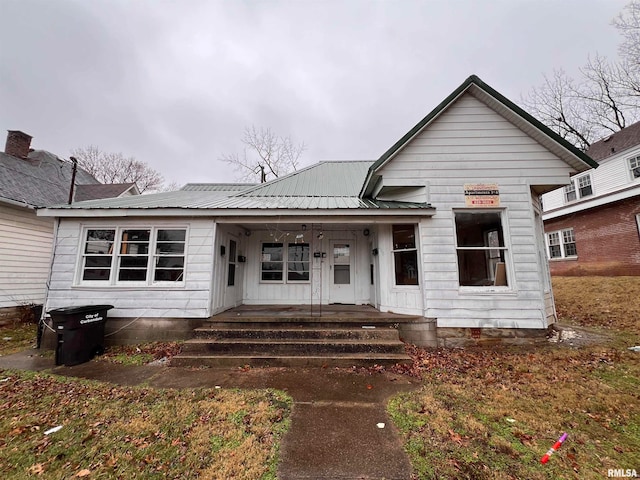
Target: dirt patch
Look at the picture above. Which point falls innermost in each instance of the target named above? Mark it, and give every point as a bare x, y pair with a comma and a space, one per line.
579, 337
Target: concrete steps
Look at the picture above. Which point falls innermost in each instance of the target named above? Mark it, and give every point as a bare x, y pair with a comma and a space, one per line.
293, 342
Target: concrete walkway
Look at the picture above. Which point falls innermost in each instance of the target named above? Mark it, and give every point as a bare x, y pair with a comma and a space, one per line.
334, 431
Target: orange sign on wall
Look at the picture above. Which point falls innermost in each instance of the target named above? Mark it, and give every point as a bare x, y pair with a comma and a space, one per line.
481, 195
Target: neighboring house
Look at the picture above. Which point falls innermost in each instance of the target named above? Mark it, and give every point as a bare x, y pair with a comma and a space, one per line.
31, 179
446, 225
592, 225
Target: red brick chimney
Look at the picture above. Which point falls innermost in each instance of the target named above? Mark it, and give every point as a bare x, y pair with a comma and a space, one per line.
18, 143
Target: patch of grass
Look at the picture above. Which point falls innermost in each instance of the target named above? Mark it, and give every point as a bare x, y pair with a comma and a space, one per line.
140, 354
120, 432
16, 337
492, 412
610, 302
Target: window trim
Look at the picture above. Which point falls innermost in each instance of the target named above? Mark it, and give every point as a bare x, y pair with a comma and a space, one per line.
394, 250
510, 288
575, 188
285, 264
631, 168
561, 243
116, 255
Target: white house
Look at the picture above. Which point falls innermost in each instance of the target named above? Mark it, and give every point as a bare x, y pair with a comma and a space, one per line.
592, 225
31, 179
446, 225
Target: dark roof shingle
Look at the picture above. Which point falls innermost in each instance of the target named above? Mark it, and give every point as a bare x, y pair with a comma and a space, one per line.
615, 143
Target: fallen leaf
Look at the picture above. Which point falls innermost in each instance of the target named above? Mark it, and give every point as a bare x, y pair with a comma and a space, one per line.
37, 469
83, 473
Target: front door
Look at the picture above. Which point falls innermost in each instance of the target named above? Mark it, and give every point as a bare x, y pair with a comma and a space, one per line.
231, 295
341, 278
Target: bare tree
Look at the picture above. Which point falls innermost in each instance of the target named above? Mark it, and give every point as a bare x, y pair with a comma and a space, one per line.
116, 168
606, 96
264, 153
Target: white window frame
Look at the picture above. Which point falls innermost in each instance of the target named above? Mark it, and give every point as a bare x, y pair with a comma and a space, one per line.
561, 236
574, 189
510, 288
286, 263
152, 257
395, 251
634, 164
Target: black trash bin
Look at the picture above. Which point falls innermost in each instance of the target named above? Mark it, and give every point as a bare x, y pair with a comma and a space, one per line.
80, 332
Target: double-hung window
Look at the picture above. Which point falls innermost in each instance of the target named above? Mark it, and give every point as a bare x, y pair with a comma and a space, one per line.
562, 244
278, 267
579, 187
405, 254
481, 249
634, 167
142, 256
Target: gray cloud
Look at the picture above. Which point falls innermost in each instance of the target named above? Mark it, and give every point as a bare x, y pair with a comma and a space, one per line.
175, 83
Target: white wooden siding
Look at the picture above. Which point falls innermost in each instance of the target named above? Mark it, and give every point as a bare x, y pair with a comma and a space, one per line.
396, 298
612, 175
25, 255
193, 299
276, 293
470, 143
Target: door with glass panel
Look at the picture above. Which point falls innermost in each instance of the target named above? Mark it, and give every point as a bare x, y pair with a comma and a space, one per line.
341, 272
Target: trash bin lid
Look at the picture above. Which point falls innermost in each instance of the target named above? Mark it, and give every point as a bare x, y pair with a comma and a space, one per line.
79, 309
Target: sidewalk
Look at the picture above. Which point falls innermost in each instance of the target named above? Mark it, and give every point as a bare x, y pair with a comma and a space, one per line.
334, 433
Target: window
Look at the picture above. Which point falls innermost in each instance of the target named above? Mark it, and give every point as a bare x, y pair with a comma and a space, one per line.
133, 259
562, 244
231, 274
405, 254
481, 249
298, 262
634, 167
98, 254
555, 250
570, 192
149, 255
296, 265
272, 265
169, 256
579, 187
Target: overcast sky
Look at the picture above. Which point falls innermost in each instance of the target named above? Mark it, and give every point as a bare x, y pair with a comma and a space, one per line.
174, 83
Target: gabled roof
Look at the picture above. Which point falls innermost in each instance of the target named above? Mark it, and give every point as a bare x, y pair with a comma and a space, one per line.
108, 190
483, 92
39, 180
615, 143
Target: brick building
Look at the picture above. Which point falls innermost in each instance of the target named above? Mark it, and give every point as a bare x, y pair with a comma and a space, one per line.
592, 225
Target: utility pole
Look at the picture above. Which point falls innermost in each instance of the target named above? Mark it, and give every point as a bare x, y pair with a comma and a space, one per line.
74, 169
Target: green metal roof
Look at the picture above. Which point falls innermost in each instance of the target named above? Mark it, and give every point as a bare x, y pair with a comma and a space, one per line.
324, 179
473, 80
324, 186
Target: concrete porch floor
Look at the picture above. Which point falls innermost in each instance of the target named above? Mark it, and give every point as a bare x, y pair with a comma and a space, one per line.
310, 311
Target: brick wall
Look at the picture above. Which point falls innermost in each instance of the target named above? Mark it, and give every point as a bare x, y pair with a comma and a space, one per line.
607, 240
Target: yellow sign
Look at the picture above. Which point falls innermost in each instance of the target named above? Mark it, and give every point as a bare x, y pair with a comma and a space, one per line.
481, 195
